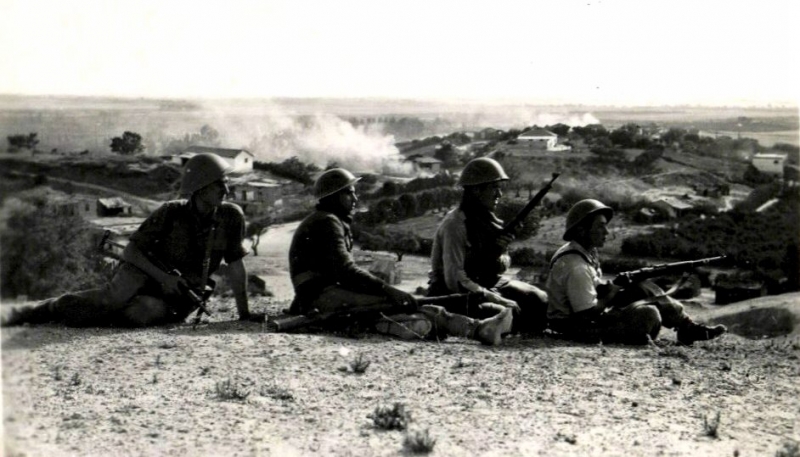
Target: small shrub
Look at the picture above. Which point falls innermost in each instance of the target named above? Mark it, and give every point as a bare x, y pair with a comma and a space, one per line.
277, 393
789, 449
419, 442
711, 425
229, 390
358, 365
394, 418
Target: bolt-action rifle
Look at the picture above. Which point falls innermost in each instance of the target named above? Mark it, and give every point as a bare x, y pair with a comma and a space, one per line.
514, 225
629, 278
297, 322
197, 299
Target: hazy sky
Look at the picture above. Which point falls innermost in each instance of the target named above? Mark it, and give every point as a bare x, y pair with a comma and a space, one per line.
560, 51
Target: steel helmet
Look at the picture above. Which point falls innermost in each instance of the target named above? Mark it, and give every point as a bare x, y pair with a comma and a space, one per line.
333, 181
202, 170
583, 209
481, 171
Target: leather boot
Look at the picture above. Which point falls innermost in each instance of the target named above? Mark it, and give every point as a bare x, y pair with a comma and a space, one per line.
40, 313
692, 331
488, 331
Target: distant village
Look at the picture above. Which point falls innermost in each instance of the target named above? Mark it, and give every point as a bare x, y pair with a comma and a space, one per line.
263, 194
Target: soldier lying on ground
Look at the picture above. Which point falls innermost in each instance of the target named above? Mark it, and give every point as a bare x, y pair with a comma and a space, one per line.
585, 307
192, 236
470, 252
326, 278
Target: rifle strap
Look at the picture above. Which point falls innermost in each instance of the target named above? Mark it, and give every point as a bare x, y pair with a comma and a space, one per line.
207, 254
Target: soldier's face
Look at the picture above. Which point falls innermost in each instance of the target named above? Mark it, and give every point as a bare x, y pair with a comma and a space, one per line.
348, 199
598, 231
213, 194
488, 195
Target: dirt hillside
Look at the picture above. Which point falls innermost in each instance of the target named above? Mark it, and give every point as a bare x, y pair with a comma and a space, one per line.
229, 388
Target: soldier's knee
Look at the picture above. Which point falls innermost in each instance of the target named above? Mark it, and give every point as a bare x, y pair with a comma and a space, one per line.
143, 311
649, 319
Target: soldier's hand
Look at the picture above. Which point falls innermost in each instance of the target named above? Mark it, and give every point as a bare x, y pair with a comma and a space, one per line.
504, 240
174, 285
400, 298
494, 297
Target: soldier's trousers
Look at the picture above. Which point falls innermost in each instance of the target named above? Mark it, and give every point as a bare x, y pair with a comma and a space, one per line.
131, 299
441, 322
532, 301
626, 324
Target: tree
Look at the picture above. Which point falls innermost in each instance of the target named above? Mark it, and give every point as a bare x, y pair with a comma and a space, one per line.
22, 141
559, 129
404, 243
447, 154
128, 143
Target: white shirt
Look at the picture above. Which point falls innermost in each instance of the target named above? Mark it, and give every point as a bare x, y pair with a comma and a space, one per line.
572, 282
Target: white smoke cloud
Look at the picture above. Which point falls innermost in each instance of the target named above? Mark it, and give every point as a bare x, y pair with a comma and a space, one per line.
273, 135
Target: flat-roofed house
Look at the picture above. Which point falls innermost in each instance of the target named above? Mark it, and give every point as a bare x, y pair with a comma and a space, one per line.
769, 163
240, 159
538, 138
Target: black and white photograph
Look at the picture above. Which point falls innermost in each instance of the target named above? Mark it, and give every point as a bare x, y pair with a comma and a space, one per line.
383, 228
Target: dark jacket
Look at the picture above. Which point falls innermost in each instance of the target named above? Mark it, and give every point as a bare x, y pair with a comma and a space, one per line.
320, 256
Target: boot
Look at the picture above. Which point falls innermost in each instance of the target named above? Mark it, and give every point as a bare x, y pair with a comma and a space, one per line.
692, 331
30, 314
488, 331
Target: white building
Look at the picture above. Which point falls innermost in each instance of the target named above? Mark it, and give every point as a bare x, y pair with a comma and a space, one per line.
769, 163
240, 159
538, 138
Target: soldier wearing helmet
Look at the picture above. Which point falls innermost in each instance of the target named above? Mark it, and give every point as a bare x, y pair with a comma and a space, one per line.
192, 235
584, 306
326, 278
470, 254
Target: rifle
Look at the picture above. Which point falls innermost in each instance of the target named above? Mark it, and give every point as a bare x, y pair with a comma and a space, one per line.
513, 226
295, 322
628, 278
197, 299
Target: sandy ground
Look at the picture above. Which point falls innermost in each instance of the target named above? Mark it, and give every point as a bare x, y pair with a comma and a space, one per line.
230, 388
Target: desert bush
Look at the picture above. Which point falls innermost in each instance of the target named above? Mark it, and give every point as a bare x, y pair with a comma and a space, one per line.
711, 425
789, 449
228, 389
419, 442
390, 418
45, 253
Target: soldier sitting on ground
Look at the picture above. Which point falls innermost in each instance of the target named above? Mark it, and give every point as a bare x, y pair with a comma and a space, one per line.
326, 278
192, 236
470, 254
585, 307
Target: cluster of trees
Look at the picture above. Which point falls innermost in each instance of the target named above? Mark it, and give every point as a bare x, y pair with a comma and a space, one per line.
208, 136
407, 205
19, 142
129, 143
399, 243
291, 168
764, 243
391, 188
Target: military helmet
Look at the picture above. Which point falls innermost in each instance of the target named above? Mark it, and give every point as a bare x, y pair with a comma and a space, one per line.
202, 170
582, 210
481, 171
333, 181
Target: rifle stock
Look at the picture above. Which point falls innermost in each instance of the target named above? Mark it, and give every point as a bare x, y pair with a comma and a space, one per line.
628, 278
295, 322
511, 227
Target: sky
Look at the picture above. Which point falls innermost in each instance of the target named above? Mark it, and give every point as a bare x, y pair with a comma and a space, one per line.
616, 52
